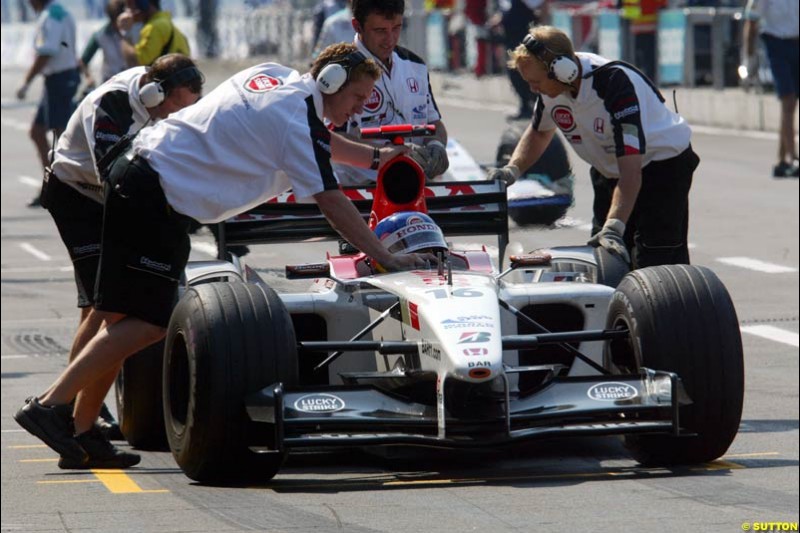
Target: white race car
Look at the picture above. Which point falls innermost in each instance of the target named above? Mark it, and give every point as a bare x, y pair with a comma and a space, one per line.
458, 355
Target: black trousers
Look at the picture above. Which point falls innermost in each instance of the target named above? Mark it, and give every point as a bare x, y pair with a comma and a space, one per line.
657, 230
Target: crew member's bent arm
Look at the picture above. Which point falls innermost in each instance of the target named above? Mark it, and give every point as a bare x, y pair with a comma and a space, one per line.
530, 148
627, 189
346, 220
349, 152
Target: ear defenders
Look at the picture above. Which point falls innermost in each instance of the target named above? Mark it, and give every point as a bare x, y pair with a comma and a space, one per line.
154, 93
560, 68
336, 73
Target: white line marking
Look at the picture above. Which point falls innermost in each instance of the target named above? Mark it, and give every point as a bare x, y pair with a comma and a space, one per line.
38, 254
13, 356
706, 130
15, 124
774, 334
29, 181
13, 431
35, 270
205, 248
755, 264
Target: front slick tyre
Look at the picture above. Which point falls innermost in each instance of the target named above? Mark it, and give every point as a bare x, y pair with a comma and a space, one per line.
224, 341
681, 319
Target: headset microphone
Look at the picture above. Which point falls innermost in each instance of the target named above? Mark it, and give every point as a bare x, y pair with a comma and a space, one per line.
335, 74
561, 68
154, 93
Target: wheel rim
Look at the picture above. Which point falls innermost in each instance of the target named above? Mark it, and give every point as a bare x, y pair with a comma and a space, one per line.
620, 355
178, 384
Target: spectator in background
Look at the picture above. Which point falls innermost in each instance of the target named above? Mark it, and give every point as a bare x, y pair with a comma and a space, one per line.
159, 35
475, 11
336, 29
642, 16
779, 20
324, 10
109, 40
23, 10
207, 37
515, 19
55, 59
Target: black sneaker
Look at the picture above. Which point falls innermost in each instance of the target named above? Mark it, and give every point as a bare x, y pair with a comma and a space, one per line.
108, 424
785, 170
53, 425
102, 454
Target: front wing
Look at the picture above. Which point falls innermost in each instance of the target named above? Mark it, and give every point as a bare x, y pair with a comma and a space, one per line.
569, 406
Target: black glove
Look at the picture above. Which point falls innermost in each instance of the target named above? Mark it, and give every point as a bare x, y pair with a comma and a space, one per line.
611, 238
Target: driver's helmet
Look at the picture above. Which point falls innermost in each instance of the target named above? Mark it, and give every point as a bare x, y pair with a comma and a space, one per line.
410, 231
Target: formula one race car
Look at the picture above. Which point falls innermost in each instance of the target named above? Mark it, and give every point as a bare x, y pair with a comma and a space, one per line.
457, 355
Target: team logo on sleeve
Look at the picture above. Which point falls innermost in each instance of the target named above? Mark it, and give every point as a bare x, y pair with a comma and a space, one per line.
261, 83
563, 118
375, 100
413, 85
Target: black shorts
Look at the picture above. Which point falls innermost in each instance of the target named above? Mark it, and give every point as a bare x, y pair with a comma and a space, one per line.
657, 230
79, 220
145, 245
57, 104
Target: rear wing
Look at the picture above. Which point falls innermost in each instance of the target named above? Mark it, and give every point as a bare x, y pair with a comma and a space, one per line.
459, 208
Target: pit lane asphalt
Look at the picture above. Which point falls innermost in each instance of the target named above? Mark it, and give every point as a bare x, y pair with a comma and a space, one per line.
738, 210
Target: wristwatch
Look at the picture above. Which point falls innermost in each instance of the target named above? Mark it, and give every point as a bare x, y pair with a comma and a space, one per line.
376, 158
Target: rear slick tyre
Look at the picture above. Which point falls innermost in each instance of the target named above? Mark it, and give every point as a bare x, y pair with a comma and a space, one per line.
139, 406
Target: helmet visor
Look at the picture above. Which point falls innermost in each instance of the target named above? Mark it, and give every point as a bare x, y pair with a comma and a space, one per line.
416, 237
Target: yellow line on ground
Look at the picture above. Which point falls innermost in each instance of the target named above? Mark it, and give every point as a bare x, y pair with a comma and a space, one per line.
501, 478
53, 460
118, 482
719, 464
26, 446
755, 454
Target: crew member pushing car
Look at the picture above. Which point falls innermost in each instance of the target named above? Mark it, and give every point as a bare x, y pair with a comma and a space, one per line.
73, 193
617, 121
257, 134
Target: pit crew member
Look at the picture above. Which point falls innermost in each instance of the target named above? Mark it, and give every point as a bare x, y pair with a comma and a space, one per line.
74, 196
402, 95
617, 121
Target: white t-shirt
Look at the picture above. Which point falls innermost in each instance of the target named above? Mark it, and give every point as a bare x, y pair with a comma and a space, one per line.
55, 37
779, 18
102, 118
617, 112
337, 28
402, 95
256, 135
